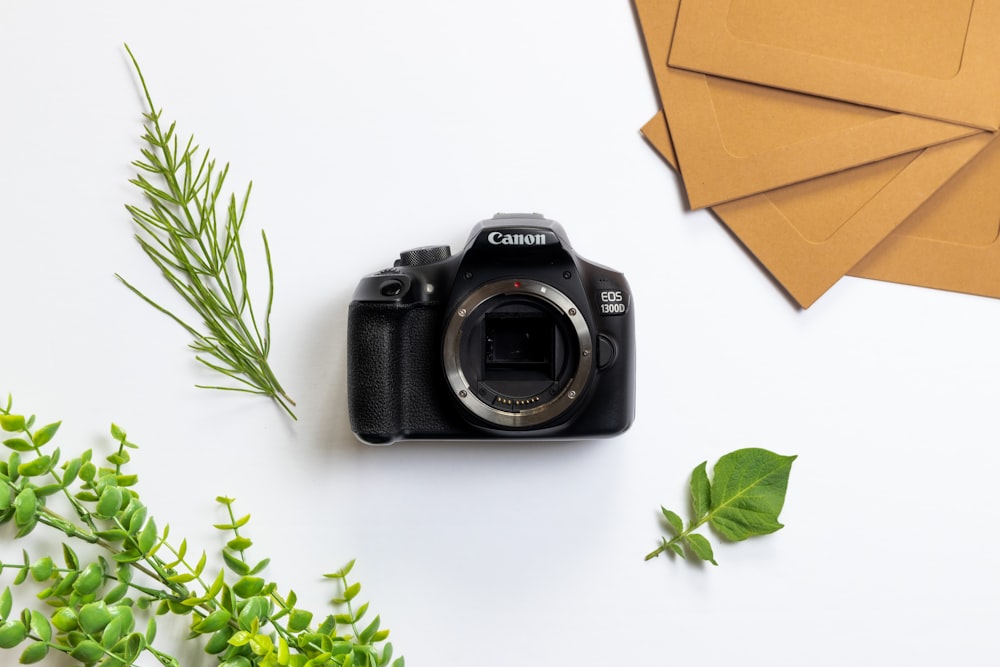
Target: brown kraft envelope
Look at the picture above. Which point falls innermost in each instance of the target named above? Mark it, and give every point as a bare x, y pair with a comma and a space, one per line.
934, 58
735, 139
953, 241
810, 234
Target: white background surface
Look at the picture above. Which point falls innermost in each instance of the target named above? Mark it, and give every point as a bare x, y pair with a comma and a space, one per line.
369, 128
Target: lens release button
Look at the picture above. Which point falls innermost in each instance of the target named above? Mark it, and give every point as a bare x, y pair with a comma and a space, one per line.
607, 351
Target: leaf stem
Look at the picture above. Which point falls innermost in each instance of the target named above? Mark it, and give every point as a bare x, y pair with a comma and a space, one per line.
679, 538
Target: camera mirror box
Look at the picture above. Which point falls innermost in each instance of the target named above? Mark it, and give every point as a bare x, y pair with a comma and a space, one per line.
745, 148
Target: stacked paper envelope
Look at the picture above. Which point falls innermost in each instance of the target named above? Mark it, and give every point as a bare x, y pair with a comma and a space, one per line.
833, 138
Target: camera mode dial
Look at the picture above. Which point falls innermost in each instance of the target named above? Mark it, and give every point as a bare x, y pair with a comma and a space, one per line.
425, 255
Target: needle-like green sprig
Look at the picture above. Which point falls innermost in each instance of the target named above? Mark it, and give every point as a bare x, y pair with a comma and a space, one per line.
202, 256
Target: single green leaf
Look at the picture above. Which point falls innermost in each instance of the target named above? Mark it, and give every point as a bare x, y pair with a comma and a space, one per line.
218, 642
6, 602
42, 569
127, 480
216, 586
369, 632
72, 469
239, 523
40, 626
748, 492
90, 579
150, 633
12, 633
64, 586
213, 622
283, 655
346, 570
28, 527
361, 611
109, 503
88, 471
35, 467
34, 653
22, 573
227, 600
255, 610
136, 517
239, 544
112, 535
701, 490
113, 632
261, 644
48, 490
25, 506
701, 547
119, 458
12, 423
675, 521
94, 617
259, 567
124, 614
134, 645
64, 619
248, 586
45, 434
13, 463
147, 538
70, 557
352, 591
386, 654
241, 638
299, 620
88, 652
234, 563
18, 445
117, 432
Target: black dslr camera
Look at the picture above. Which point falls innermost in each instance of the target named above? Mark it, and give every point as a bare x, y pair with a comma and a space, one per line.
516, 337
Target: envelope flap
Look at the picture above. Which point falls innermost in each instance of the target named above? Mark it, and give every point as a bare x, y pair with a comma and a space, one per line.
933, 58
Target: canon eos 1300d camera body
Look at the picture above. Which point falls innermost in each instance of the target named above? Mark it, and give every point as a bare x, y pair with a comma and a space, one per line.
516, 337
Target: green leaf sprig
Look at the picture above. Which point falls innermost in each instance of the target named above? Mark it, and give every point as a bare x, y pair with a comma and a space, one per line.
744, 500
202, 256
90, 610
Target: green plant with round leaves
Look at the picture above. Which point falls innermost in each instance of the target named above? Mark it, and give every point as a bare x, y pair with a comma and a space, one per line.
103, 611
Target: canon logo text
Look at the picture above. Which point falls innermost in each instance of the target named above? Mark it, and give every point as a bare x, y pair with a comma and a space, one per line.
499, 238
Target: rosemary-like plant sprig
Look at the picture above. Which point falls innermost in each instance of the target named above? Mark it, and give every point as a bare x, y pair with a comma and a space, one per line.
203, 260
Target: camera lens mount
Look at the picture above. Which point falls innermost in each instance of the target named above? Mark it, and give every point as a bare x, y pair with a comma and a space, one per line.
517, 353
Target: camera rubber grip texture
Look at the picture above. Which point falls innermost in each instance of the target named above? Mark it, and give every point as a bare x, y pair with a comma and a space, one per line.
395, 384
